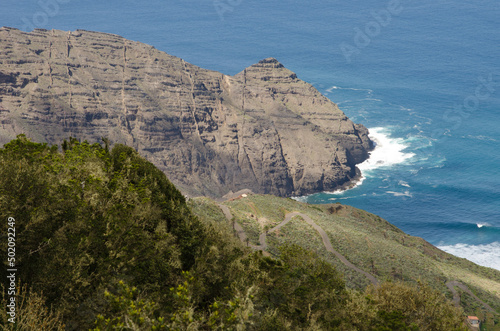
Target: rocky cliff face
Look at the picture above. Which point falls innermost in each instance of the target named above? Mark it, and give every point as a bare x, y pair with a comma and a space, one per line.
262, 129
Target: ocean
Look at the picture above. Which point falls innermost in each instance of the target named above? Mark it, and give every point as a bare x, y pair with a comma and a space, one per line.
423, 76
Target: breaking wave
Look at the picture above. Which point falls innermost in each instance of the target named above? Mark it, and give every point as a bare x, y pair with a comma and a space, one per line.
487, 255
388, 151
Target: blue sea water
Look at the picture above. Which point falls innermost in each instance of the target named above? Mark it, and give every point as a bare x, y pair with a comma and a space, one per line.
423, 76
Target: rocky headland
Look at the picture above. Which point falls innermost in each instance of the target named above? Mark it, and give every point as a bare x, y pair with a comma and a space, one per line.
263, 129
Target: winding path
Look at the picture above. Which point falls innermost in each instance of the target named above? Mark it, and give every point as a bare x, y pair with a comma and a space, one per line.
288, 218
237, 226
456, 296
328, 245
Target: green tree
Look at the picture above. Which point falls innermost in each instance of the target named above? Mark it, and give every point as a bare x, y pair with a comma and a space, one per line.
401, 306
87, 217
305, 288
129, 312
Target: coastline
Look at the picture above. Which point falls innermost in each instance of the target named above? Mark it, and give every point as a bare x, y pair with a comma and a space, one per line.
356, 181
390, 152
387, 152
487, 255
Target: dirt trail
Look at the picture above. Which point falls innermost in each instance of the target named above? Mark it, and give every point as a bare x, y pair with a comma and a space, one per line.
456, 296
288, 218
239, 229
237, 226
328, 245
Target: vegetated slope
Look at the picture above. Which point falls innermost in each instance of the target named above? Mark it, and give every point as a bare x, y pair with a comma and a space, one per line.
105, 241
262, 129
367, 241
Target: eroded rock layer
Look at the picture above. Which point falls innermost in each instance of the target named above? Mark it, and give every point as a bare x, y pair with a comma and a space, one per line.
262, 129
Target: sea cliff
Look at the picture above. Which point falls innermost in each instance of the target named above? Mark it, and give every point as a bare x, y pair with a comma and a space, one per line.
263, 129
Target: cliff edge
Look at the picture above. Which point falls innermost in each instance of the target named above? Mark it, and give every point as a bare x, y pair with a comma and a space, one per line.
262, 129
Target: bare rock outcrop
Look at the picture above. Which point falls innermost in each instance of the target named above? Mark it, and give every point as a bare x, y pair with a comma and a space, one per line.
262, 129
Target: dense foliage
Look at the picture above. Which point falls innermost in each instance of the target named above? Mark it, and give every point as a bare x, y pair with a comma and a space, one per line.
104, 241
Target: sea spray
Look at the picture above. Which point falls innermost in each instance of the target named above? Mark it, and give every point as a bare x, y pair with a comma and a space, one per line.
487, 255
388, 151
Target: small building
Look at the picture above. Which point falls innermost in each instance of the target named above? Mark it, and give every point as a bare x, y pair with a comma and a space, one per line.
473, 321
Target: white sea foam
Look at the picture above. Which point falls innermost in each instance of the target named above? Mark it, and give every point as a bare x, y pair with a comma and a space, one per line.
403, 183
347, 88
401, 194
480, 225
340, 191
388, 151
329, 90
332, 88
345, 198
486, 255
302, 198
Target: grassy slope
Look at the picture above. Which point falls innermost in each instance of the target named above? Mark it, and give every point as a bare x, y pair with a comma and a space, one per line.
366, 240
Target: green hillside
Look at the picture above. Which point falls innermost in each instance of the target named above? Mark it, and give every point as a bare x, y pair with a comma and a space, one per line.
367, 241
104, 241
